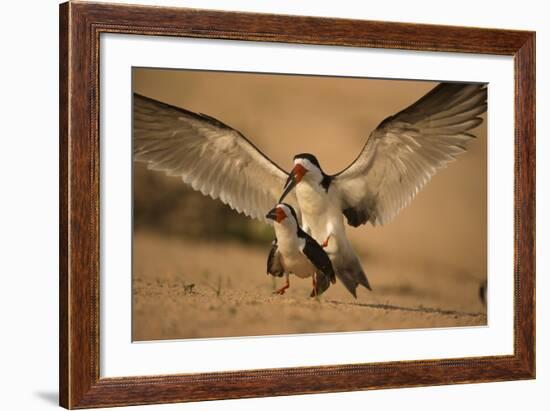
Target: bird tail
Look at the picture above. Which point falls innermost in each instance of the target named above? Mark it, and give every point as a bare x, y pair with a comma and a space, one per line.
351, 274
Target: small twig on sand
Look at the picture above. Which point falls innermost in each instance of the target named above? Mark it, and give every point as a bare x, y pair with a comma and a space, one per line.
218, 289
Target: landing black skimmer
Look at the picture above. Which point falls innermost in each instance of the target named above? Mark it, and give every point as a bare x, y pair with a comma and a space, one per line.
399, 158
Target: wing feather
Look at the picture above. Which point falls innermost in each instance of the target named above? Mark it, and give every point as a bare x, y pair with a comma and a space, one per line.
208, 155
406, 150
274, 265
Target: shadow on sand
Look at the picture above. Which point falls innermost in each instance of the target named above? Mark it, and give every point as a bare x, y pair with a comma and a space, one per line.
425, 310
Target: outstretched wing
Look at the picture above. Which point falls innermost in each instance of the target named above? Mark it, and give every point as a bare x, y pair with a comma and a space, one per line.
210, 156
407, 149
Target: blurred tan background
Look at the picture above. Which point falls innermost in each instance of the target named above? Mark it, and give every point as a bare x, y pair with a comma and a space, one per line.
199, 267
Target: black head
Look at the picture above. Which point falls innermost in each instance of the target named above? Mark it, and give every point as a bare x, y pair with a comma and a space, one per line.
307, 156
291, 210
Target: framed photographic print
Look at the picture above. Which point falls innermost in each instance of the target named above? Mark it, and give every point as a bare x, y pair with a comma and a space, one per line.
257, 205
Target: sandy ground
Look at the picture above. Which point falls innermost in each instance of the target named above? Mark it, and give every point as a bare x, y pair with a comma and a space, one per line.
182, 289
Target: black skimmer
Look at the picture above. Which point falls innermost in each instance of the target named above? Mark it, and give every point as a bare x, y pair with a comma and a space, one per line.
296, 252
399, 158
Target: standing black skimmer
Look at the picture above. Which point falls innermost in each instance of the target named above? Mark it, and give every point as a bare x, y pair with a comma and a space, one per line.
399, 158
295, 252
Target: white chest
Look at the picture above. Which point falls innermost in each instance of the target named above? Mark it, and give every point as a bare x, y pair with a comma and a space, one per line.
313, 199
298, 265
290, 247
321, 214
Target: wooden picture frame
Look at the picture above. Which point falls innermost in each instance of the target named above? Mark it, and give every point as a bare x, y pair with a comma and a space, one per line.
80, 27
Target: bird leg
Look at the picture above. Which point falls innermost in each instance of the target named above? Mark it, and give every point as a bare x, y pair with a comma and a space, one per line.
282, 290
314, 280
325, 244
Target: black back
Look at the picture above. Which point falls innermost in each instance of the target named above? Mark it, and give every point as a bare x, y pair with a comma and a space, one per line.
315, 253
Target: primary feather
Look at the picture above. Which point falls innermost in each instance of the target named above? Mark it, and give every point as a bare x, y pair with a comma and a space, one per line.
404, 152
207, 154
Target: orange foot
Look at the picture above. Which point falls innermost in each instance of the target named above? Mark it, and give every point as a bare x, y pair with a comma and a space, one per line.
314, 291
282, 290
325, 244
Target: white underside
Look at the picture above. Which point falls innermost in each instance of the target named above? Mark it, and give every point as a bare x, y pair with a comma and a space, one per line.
322, 217
290, 247
298, 265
